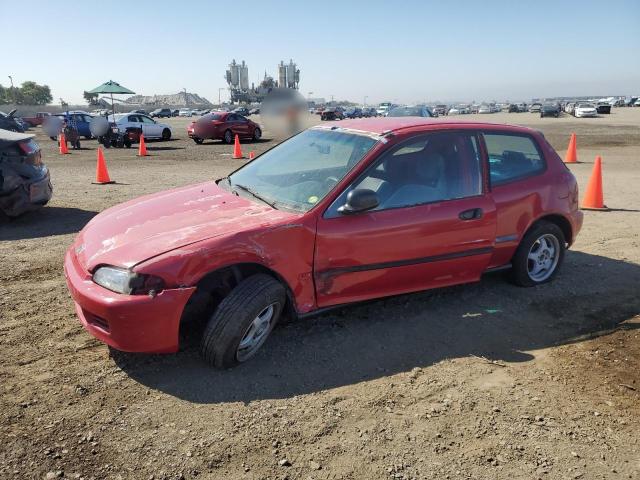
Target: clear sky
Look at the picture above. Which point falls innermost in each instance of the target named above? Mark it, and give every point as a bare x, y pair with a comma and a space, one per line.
404, 51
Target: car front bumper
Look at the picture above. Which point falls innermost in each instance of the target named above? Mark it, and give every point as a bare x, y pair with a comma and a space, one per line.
131, 323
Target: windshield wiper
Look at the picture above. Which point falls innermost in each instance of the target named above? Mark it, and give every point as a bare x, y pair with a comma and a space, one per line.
253, 193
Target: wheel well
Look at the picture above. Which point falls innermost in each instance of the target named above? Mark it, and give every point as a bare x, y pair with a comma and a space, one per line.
562, 223
215, 286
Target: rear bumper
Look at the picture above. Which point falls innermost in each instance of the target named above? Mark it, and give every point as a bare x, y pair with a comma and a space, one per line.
131, 323
28, 196
577, 218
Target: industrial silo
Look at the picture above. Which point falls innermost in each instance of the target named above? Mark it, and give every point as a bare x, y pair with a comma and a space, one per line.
282, 75
291, 75
234, 74
244, 76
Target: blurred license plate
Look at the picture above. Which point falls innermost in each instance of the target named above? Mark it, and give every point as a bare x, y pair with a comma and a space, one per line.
39, 192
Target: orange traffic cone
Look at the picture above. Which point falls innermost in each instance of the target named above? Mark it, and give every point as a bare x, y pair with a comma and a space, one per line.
142, 149
593, 197
102, 174
63, 144
252, 155
237, 152
572, 154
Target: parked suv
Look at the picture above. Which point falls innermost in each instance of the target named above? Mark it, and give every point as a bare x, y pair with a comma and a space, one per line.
343, 212
161, 113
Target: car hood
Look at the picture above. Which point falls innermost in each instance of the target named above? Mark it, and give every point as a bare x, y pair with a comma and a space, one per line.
140, 229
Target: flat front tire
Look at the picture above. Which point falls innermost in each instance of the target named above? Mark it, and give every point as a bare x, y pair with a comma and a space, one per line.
539, 255
242, 321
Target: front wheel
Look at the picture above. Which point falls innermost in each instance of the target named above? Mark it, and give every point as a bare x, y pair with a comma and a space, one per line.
257, 134
242, 321
228, 137
199, 141
166, 134
539, 255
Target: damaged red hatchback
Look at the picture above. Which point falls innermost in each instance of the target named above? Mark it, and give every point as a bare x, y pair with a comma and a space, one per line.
339, 213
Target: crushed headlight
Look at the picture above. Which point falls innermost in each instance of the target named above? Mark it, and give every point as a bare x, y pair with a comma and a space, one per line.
124, 281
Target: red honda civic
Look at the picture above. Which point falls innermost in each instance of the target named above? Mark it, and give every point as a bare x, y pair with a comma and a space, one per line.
340, 213
223, 126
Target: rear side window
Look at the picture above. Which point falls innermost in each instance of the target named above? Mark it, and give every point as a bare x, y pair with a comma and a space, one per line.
512, 157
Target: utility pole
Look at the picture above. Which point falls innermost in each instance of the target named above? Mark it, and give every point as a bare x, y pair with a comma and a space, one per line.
186, 100
365, 100
12, 96
220, 90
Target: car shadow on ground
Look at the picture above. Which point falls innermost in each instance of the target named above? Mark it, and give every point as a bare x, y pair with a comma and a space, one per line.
491, 319
157, 149
45, 222
242, 142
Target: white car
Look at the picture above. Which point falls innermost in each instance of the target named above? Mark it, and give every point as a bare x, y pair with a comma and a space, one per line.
453, 111
185, 112
150, 128
484, 109
585, 110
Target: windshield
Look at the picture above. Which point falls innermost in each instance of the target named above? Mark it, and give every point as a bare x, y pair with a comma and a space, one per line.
409, 112
585, 105
300, 172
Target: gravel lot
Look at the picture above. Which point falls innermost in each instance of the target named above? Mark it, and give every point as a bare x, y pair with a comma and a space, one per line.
479, 381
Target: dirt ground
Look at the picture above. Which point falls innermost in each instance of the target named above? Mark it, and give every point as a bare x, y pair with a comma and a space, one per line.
473, 382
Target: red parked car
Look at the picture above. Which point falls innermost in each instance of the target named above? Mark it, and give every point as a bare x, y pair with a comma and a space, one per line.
340, 213
223, 126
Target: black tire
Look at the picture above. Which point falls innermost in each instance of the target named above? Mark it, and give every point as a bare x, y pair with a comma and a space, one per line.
257, 134
54, 139
520, 262
88, 137
77, 145
127, 142
228, 137
235, 314
166, 134
199, 141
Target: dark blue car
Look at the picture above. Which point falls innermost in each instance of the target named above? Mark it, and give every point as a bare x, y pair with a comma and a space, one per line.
79, 120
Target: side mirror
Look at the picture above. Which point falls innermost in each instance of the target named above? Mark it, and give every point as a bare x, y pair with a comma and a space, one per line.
359, 200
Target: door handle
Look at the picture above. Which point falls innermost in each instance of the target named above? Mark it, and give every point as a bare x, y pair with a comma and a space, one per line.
471, 214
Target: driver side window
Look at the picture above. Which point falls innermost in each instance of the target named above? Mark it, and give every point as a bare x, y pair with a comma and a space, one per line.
430, 168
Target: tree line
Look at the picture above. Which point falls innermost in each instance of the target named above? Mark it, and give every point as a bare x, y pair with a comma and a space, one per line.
29, 93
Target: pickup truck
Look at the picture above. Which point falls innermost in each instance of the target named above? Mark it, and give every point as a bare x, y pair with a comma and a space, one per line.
37, 119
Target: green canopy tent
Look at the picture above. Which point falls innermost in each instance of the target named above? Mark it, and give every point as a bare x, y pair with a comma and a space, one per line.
112, 87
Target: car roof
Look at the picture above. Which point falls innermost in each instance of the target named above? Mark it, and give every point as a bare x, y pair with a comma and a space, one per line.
382, 125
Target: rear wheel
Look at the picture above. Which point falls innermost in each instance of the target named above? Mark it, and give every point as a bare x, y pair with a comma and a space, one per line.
539, 255
228, 137
199, 141
242, 321
166, 134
